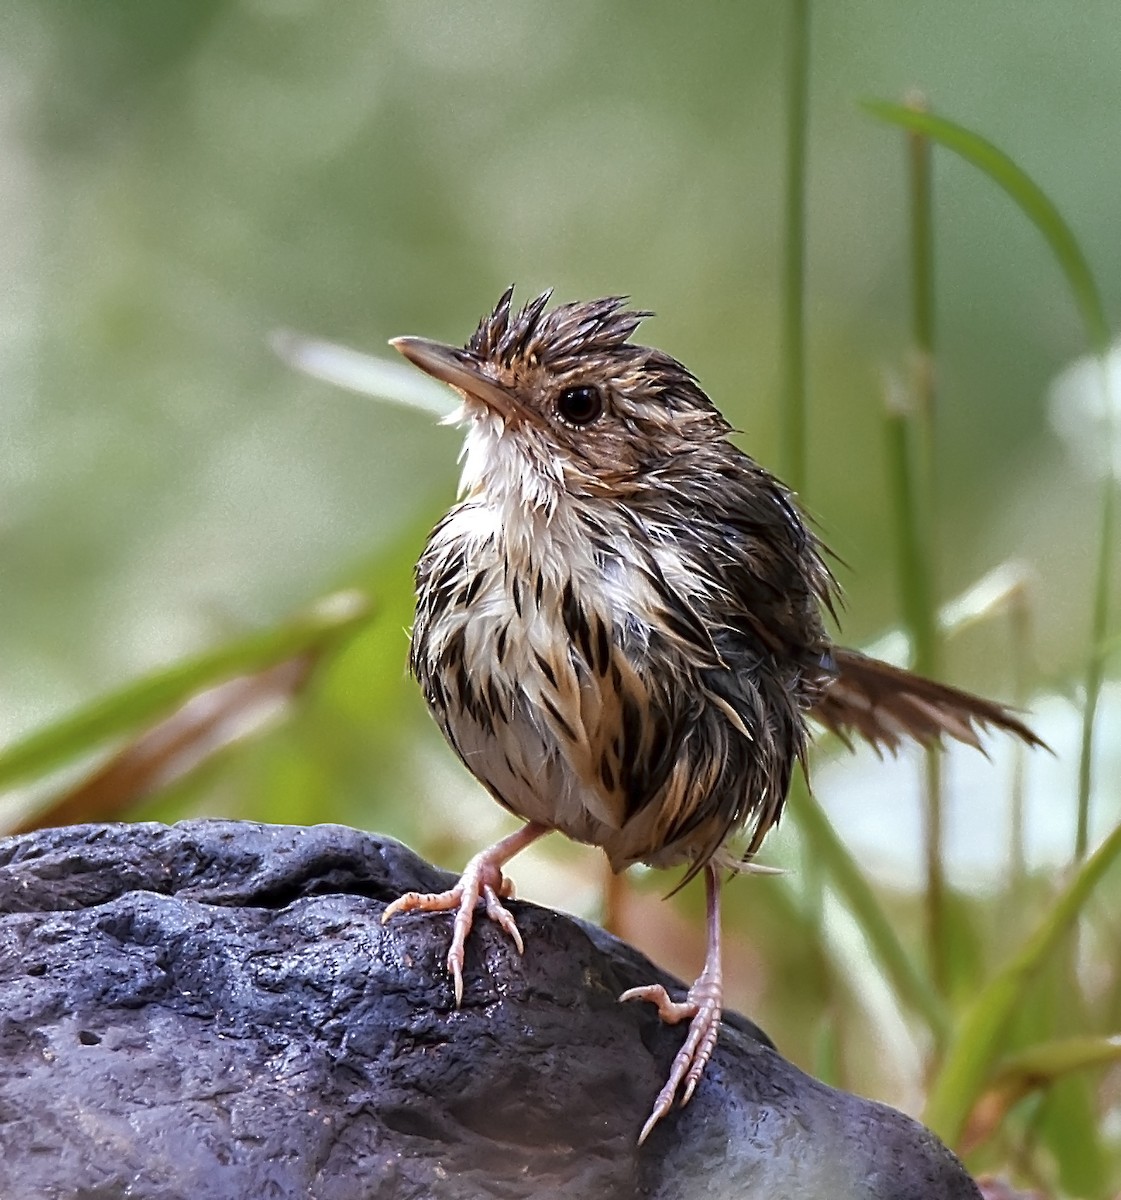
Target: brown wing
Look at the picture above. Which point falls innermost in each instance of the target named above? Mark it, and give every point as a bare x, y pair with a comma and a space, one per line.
885, 704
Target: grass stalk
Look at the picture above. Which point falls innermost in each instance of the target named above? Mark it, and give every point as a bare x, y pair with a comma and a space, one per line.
981, 1033
916, 592
1021, 630
793, 422
146, 700
1099, 628
1037, 206
910, 455
921, 527
908, 982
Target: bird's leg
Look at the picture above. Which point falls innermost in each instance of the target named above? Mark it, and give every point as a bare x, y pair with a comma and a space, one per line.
482, 878
702, 1008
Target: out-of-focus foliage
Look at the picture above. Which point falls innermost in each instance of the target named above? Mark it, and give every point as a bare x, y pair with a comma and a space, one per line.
182, 178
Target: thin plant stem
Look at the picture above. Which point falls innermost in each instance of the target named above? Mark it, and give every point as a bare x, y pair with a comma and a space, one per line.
811, 896
793, 424
917, 602
1038, 208
921, 518
1099, 624
980, 1032
1021, 629
933, 852
793, 418
910, 446
907, 978
921, 196
914, 566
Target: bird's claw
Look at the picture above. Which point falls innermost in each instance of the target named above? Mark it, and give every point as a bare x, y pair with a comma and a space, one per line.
482, 879
500, 914
702, 1008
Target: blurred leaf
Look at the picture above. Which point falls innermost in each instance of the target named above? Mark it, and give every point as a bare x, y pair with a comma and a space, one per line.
1084, 407
993, 594
1069, 1128
1036, 1067
1030, 197
150, 698
910, 984
208, 723
996, 592
827, 1053
964, 918
1039, 209
363, 373
981, 1031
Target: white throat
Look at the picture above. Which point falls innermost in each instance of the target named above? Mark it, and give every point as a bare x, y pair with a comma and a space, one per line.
510, 470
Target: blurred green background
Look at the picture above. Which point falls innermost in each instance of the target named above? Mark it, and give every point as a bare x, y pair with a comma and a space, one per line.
181, 178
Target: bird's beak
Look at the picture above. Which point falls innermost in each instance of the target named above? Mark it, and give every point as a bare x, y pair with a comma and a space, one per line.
461, 370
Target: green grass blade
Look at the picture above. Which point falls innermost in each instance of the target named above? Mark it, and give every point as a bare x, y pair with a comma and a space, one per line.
1043, 214
983, 1026
912, 470
1069, 1130
1027, 194
1037, 1065
912, 506
793, 417
1095, 670
909, 983
152, 697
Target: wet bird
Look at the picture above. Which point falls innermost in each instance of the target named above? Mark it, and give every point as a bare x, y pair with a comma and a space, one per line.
620, 626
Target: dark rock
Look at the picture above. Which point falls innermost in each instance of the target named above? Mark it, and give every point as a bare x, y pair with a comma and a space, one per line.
214, 1011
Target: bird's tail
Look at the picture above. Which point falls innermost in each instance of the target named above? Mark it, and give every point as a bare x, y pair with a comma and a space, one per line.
885, 705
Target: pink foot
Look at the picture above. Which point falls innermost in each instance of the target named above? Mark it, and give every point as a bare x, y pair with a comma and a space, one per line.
482, 879
702, 1008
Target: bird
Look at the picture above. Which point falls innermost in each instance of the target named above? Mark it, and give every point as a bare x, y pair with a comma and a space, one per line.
621, 627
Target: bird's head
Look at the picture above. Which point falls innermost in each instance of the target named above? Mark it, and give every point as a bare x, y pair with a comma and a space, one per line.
563, 401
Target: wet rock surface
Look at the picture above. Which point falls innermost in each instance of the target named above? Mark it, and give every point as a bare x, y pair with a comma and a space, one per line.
213, 1010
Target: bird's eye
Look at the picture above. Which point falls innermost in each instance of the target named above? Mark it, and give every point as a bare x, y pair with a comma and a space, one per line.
580, 405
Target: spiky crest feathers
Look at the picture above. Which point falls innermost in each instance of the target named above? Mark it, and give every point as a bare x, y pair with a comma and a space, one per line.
552, 336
